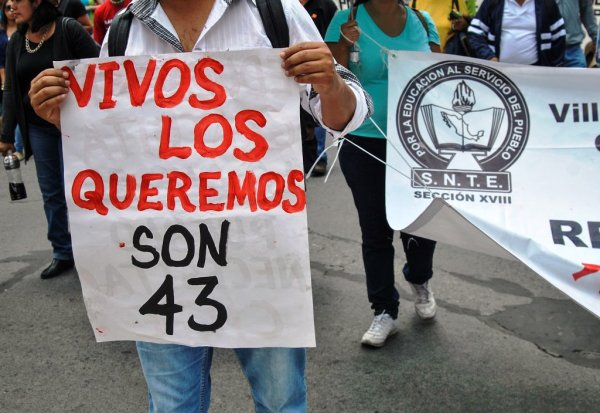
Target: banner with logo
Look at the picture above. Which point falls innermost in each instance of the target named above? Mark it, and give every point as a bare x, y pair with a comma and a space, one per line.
186, 199
502, 159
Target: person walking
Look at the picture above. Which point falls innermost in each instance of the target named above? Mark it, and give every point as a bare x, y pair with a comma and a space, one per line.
43, 37
7, 27
357, 38
528, 32
577, 13
178, 377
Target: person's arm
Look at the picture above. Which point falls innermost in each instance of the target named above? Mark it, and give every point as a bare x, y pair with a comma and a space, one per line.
80, 42
9, 119
342, 33
81, 15
556, 54
588, 19
86, 23
478, 31
99, 27
434, 35
3, 46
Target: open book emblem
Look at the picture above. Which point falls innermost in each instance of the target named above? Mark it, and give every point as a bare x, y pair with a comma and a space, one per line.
462, 128
464, 124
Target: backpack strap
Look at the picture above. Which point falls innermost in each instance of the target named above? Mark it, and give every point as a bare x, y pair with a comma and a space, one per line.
119, 33
274, 22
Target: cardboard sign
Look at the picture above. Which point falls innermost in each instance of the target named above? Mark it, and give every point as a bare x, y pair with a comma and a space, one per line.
502, 159
186, 199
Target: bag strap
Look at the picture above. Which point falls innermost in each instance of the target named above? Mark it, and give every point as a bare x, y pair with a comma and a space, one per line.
119, 33
274, 22
422, 20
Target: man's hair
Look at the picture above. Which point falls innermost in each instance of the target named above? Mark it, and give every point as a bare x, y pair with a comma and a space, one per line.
45, 13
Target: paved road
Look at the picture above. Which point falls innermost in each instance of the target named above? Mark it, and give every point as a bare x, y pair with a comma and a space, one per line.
503, 341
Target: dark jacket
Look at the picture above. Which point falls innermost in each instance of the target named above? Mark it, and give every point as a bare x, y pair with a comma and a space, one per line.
70, 41
485, 31
321, 11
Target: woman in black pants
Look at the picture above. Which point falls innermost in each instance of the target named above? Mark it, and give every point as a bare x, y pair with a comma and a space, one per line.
391, 25
43, 36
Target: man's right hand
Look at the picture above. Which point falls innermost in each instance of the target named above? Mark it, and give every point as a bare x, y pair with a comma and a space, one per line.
48, 90
5, 147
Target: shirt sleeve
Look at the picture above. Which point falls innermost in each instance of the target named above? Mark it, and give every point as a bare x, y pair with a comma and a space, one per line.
434, 35
588, 19
99, 28
3, 45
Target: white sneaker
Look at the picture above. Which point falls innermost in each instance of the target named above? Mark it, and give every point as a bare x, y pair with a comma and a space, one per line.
382, 327
424, 301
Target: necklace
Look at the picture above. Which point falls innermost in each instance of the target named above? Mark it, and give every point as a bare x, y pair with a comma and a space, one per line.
117, 2
28, 47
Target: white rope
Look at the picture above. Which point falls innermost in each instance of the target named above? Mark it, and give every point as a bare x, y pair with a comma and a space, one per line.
340, 141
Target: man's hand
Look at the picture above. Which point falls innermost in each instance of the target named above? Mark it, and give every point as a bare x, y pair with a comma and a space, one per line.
48, 90
5, 147
312, 63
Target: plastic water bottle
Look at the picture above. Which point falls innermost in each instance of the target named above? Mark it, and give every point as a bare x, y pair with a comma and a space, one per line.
16, 186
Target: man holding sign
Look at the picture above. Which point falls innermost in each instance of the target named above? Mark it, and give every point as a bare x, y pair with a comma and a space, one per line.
177, 375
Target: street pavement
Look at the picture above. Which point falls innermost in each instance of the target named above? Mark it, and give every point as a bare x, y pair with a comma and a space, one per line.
503, 340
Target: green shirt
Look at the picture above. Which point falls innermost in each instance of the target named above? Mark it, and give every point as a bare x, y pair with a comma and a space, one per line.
372, 70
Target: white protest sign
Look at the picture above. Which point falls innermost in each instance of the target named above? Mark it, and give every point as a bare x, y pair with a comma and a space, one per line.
186, 199
502, 159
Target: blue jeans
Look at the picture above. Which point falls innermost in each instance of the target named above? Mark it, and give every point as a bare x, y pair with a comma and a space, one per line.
320, 134
178, 377
366, 178
18, 140
46, 146
574, 57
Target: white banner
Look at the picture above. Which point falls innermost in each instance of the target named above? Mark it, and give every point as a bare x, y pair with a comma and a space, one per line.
502, 159
186, 199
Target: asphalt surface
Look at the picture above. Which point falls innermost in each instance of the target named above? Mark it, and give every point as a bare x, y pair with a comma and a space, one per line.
503, 340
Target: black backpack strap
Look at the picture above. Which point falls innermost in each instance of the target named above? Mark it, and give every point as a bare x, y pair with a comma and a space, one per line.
274, 22
119, 33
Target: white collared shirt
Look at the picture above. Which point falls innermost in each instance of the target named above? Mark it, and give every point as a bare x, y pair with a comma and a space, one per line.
232, 25
518, 43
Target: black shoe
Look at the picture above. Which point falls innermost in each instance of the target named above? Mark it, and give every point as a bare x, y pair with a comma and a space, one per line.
320, 169
57, 267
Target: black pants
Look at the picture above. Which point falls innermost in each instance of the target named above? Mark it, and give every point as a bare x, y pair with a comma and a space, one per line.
366, 178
